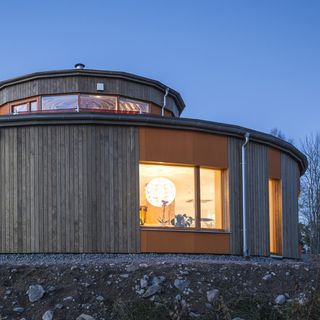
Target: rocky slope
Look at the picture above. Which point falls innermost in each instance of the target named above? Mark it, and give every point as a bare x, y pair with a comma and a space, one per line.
157, 287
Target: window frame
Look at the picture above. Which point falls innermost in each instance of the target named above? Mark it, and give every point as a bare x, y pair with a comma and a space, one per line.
28, 102
197, 196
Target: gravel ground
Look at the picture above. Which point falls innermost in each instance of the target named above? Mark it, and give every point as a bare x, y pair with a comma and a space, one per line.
95, 259
130, 286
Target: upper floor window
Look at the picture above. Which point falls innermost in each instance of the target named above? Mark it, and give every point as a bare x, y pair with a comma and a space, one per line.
133, 105
80, 102
28, 105
63, 102
98, 102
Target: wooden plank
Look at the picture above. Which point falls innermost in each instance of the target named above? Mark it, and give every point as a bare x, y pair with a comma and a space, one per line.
290, 180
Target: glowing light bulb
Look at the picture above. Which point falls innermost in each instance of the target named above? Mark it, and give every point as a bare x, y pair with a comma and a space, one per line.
159, 190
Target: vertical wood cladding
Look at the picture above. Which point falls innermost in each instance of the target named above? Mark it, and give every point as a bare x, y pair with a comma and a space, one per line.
69, 189
290, 180
258, 199
87, 84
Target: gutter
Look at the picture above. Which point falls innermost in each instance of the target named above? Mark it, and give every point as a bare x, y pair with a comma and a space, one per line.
164, 101
244, 195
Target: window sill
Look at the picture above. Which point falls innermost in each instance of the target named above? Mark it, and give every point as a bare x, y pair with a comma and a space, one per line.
181, 229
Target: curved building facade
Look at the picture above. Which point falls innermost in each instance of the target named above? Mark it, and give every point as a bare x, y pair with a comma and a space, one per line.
99, 161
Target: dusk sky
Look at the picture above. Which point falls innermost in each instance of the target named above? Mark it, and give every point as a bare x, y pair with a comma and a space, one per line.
250, 63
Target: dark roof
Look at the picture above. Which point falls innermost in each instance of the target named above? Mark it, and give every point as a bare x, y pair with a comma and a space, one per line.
96, 73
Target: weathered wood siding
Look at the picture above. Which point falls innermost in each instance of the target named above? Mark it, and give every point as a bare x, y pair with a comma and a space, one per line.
258, 199
290, 180
235, 194
86, 84
69, 189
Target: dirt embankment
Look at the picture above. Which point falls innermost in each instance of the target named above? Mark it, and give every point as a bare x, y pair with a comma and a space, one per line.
157, 287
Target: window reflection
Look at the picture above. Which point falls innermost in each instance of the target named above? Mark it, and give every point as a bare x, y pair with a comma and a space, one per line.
60, 102
98, 102
133, 106
20, 108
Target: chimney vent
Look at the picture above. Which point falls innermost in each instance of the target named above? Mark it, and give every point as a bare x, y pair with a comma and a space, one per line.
79, 66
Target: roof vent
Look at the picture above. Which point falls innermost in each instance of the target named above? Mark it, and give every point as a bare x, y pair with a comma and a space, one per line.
79, 66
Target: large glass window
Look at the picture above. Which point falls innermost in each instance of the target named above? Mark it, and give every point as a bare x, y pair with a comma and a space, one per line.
63, 102
133, 106
167, 196
210, 198
98, 102
180, 196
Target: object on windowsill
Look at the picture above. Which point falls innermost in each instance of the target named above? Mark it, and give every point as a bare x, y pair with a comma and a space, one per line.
182, 220
162, 220
143, 214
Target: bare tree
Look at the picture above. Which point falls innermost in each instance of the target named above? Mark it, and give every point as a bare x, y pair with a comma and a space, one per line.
279, 134
310, 193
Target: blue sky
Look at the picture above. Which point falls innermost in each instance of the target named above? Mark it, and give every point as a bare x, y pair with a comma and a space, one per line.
251, 63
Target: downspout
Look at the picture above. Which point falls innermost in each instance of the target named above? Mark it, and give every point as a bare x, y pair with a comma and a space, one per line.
244, 195
164, 101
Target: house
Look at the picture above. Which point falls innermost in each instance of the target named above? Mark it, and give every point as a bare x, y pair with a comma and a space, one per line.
101, 161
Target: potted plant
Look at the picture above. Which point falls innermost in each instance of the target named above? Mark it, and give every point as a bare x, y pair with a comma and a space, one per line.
182, 220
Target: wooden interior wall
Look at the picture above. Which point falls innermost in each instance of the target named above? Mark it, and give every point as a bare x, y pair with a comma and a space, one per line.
235, 194
184, 242
258, 199
274, 161
290, 181
69, 189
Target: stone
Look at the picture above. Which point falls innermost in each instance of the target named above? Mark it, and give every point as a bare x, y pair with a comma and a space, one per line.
267, 277
152, 290
35, 292
158, 280
143, 265
143, 283
18, 309
181, 284
131, 268
84, 316
124, 276
212, 295
8, 292
48, 315
59, 306
237, 318
280, 299
100, 298
69, 298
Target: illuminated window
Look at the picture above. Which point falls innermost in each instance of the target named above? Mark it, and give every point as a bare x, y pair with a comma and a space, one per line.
63, 102
210, 198
275, 216
167, 197
98, 102
133, 106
